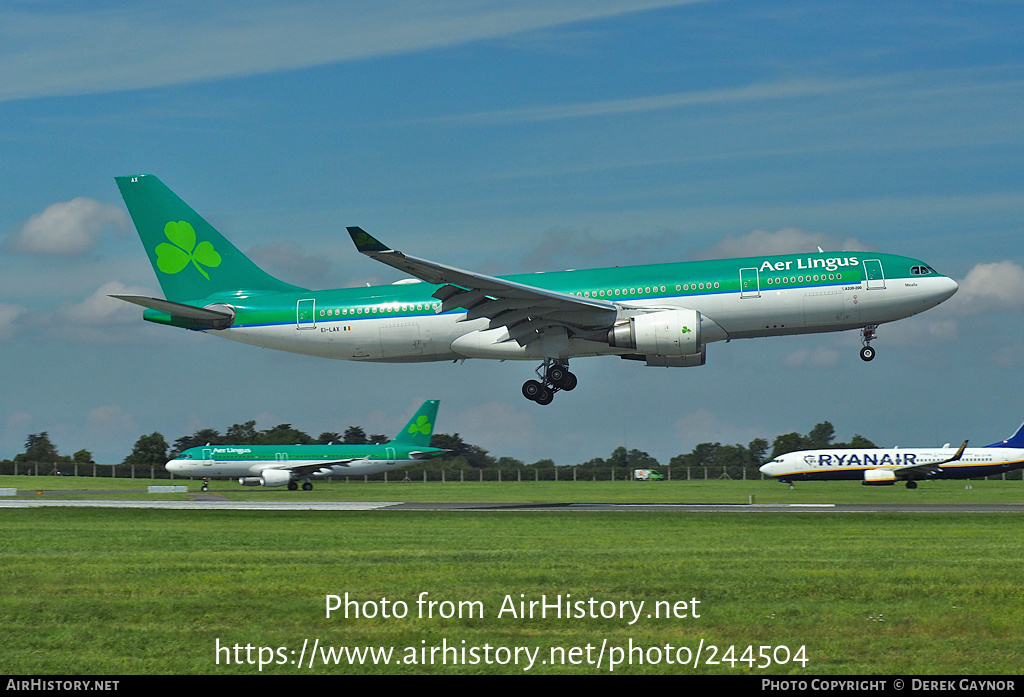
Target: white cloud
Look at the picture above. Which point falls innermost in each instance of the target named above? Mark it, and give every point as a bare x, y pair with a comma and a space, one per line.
8, 316
789, 240
82, 51
100, 319
69, 227
99, 309
990, 288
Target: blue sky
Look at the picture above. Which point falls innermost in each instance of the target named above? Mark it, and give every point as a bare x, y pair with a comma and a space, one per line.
511, 137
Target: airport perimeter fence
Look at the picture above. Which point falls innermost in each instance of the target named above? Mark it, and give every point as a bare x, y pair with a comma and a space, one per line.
565, 473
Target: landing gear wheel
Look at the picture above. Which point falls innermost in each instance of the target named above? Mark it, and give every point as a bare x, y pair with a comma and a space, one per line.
306, 486
560, 378
531, 389
911, 485
293, 486
556, 375
867, 335
205, 488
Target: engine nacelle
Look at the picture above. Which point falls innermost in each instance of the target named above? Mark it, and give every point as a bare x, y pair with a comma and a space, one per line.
267, 478
275, 477
879, 477
665, 333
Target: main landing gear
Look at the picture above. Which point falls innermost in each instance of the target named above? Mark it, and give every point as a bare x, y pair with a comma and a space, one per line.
554, 376
306, 486
911, 484
206, 484
867, 335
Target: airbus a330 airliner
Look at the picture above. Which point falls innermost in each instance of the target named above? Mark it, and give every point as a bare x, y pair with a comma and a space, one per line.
886, 466
659, 314
278, 465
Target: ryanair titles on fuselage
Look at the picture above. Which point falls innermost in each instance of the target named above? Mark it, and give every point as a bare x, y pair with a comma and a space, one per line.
860, 460
829, 264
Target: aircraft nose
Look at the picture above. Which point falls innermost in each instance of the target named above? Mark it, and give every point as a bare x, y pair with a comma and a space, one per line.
947, 288
935, 291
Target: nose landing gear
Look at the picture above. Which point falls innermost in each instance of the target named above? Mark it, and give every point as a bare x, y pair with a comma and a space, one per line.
867, 335
554, 376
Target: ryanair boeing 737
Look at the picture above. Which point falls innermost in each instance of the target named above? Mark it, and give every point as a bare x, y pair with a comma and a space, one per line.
278, 465
886, 466
659, 314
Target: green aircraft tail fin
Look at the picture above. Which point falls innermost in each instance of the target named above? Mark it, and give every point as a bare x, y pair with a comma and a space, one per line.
421, 426
191, 259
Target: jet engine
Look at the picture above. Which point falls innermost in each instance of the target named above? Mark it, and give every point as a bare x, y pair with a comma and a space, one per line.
267, 478
665, 333
879, 477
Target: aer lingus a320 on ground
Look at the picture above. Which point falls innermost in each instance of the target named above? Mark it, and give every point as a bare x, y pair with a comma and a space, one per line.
659, 314
281, 465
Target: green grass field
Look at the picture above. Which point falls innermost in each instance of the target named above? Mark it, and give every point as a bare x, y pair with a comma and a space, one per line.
680, 491
104, 591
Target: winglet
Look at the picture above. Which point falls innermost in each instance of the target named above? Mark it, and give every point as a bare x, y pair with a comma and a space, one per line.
365, 242
959, 454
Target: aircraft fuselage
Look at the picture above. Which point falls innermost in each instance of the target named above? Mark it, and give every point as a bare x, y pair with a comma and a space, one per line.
735, 298
851, 464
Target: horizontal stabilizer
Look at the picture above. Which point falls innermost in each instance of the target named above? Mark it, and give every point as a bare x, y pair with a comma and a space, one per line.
215, 319
421, 455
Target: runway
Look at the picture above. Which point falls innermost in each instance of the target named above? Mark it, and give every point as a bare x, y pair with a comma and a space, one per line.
224, 505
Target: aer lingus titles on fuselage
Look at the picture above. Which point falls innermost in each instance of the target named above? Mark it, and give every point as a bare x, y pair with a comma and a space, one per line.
886, 466
661, 314
279, 465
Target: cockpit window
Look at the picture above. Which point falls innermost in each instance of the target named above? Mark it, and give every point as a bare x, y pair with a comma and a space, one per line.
921, 270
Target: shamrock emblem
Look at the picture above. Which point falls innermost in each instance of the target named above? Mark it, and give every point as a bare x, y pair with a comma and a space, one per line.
422, 425
363, 239
365, 242
173, 258
686, 330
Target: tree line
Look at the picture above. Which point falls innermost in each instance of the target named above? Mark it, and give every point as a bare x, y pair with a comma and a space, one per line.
153, 450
